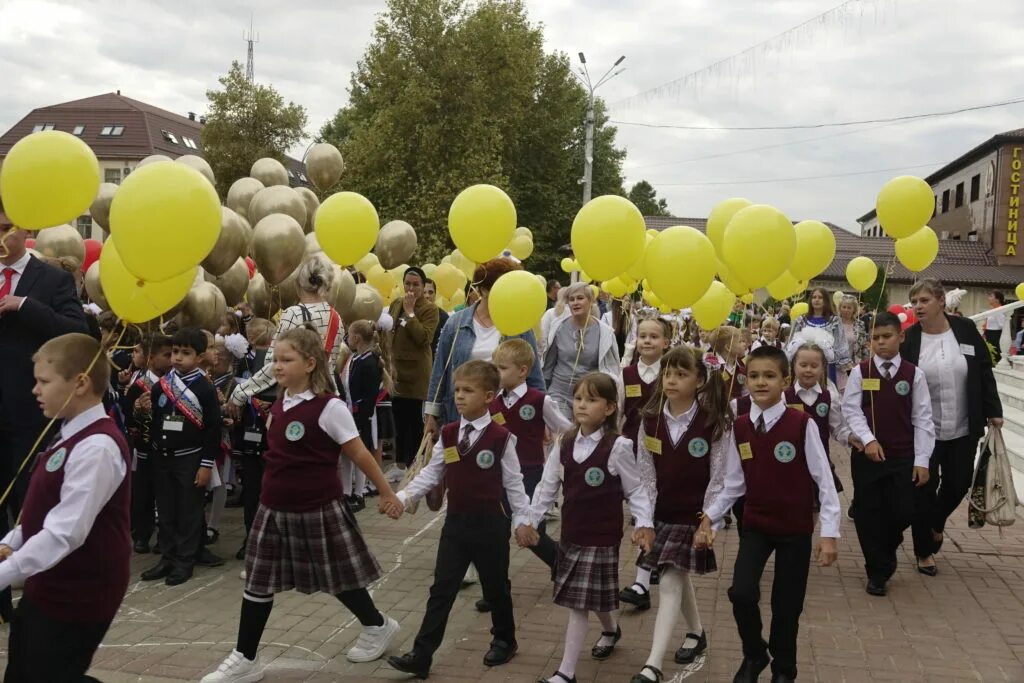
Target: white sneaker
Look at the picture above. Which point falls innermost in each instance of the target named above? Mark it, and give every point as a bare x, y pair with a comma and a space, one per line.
470, 578
236, 669
394, 475
373, 641
242, 575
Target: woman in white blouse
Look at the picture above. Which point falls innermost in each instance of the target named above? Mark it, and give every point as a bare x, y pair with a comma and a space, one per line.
958, 368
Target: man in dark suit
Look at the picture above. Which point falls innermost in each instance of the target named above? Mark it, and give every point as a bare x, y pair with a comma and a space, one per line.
37, 303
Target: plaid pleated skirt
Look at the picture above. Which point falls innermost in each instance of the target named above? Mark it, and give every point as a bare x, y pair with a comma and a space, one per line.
673, 546
316, 551
587, 577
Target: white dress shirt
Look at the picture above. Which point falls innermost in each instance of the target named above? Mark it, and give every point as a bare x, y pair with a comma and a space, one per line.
945, 370
621, 464
335, 418
19, 269
511, 476
817, 465
554, 419
648, 373
920, 412
91, 478
836, 423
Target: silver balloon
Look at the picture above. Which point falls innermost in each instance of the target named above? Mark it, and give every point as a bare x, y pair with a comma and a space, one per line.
204, 307
366, 305
278, 246
152, 159
269, 172
100, 208
198, 163
62, 240
324, 165
311, 202
233, 283
277, 199
232, 242
396, 243
258, 296
343, 293
240, 195
312, 244
93, 287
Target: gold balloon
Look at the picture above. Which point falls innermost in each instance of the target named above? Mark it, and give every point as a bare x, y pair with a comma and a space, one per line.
366, 305
204, 307
200, 164
233, 240
240, 195
312, 244
100, 208
309, 199
152, 159
324, 165
233, 283
62, 240
277, 199
269, 172
258, 296
344, 290
93, 287
286, 294
396, 243
278, 246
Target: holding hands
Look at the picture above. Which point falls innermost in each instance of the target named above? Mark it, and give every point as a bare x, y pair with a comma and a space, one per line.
705, 536
526, 535
390, 505
643, 537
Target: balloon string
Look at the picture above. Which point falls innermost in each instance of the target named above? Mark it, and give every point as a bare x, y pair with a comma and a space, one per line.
4, 253
871, 334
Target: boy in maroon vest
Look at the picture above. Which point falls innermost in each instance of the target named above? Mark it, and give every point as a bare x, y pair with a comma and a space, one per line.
72, 546
780, 459
888, 408
476, 458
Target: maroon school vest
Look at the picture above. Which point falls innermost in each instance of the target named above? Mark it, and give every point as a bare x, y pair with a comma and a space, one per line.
301, 462
525, 419
474, 480
87, 586
735, 384
592, 515
634, 405
683, 469
780, 490
893, 403
817, 411
743, 405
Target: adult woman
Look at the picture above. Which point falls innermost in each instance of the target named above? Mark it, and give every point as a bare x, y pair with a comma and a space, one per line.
820, 317
854, 332
430, 292
577, 344
958, 368
470, 334
995, 322
410, 345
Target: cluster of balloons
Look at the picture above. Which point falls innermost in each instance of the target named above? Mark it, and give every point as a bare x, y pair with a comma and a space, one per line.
904, 206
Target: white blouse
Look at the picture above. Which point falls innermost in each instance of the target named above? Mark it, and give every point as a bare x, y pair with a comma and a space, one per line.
487, 340
945, 369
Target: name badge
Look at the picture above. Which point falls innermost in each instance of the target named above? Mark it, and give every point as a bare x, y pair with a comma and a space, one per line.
873, 384
796, 406
451, 455
254, 437
967, 349
172, 425
652, 444
498, 418
746, 452
633, 391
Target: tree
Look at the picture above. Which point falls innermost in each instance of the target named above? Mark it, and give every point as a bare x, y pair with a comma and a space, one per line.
450, 94
877, 295
245, 122
645, 197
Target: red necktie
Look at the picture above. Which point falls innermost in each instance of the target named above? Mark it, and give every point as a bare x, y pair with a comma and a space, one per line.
6, 288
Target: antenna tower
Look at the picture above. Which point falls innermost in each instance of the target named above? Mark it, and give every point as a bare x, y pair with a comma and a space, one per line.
251, 38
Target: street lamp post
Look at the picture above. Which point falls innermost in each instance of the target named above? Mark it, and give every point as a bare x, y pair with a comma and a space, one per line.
588, 152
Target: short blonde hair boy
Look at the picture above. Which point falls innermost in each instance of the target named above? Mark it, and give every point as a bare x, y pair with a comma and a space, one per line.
518, 352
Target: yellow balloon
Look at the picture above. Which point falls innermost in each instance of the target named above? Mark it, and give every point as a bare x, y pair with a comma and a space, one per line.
364, 264
48, 178
714, 306
636, 271
482, 220
919, 250
1019, 291
837, 297
784, 286
449, 280
523, 232
583, 277
521, 247
133, 300
718, 219
747, 298
346, 226
861, 273
759, 243
380, 279
616, 287
567, 265
904, 206
608, 236
165, 219
800, 308
457, 299
516, 302
651, 298
428, 269
735, 285
680, 265
460, 261
815, 249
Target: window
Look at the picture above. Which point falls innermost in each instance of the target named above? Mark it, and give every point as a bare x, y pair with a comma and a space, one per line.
112, 175
118, 130
291, 174
189, 142
170, 137
302, 177
106, 130
79, 129
40, 127
945, 201
113, 130
976, 188
84, 226
959, 195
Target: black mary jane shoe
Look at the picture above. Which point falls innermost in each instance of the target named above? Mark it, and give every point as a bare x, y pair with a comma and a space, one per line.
631, 596
685, 655
640, 678
927, 571
559, 674
500, 653
605, 651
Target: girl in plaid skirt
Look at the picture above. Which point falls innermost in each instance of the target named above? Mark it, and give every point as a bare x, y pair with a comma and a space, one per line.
686, 431
304, 536
599, 471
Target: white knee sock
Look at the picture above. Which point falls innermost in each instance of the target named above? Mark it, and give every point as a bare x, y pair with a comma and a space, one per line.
643, 577
575, 632
688, 605
358, 481
670, 591
608, 625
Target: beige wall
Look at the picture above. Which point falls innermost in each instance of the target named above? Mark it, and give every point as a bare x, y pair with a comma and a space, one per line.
109, 168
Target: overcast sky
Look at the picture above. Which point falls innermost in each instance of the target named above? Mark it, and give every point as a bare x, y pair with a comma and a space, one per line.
870, 59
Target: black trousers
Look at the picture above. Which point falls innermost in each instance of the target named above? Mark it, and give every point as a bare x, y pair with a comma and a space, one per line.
252, 485
484, 542
950, 471
408, 414
143, 500
45, 650
792, 563
993, 337
546, 549
181, 506
885, 508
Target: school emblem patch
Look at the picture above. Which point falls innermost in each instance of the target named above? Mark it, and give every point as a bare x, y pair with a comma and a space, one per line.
742, 379
163, 401
822, 409
294, 431
527, 412
903, 387
698, 447
485, 460
594, 476
55, 461
785, 451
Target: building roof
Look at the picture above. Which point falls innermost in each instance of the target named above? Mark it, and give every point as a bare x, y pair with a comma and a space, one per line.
958, 262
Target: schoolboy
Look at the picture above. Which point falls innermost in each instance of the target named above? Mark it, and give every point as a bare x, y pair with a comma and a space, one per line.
72, 546
769, 335
888, 408
476, 458
186, 442
778, 460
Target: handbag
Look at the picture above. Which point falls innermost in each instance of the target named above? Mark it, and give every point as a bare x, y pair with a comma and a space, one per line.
993, 499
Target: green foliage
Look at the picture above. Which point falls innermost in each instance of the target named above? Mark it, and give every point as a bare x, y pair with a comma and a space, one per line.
245, 122
645, 197
877, 295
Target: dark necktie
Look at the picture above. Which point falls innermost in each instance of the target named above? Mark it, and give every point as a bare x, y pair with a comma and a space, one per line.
887, 369
464, 442
760, 424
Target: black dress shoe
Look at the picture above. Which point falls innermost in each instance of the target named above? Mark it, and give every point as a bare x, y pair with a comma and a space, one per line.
500, 653
141, 547
876, 588
557, 677
178, 577
483, 606
207, 559
158, 571
631, 596
750, 669
411, 663
779, 677
605, 651
685, 655
358, 503
640, 678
